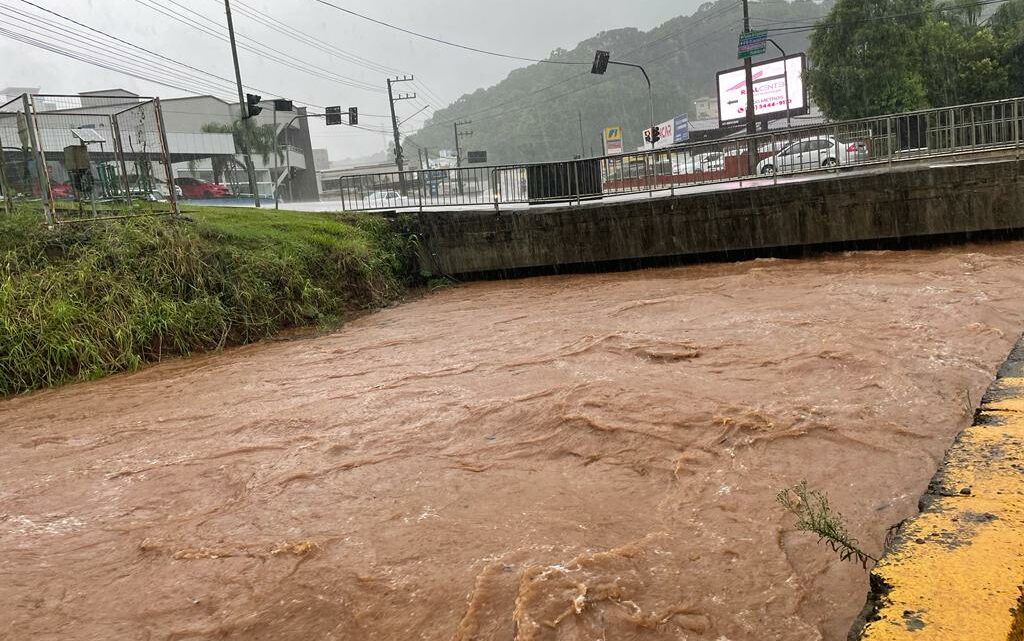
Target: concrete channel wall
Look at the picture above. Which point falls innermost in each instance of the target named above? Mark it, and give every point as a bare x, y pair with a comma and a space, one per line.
906, 202
956, 570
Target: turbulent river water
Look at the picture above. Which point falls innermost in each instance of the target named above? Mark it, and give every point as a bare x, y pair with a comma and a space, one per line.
565, 458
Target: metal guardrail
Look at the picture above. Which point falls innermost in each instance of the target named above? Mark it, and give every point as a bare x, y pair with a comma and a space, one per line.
881, 140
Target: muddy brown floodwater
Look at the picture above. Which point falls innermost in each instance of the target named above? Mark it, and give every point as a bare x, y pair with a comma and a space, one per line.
566, 458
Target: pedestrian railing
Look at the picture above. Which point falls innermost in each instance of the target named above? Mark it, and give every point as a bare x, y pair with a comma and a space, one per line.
883, 140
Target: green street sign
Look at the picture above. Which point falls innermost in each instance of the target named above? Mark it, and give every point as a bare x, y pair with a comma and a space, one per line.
752, 43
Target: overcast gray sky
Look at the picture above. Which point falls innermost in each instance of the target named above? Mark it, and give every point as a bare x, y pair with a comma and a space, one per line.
529, 28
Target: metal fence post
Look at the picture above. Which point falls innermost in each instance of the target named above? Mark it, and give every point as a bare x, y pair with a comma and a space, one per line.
1016, 125
775, 174
422, 191
119, 155
576, 181
165, 153
42, 171
4, 186
652, 172
889, 141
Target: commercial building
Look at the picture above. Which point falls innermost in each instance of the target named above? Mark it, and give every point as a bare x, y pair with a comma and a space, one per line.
198, 130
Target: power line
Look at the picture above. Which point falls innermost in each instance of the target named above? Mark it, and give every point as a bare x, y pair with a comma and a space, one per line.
20, 37
125, 42
74, 42
442, 40
257, 47
297, 64
142, 67
276, 24
561, 83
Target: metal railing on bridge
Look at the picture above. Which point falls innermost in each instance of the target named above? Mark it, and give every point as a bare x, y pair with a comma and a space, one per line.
884, 140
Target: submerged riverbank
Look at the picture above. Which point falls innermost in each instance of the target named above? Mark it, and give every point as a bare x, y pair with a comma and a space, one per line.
82, 301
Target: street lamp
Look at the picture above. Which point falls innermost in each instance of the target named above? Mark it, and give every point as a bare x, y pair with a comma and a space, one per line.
601, 61
785, 79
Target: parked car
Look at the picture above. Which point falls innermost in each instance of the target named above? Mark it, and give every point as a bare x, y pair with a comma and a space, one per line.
200, 189
62, 191
160, 188
711, 161
813, 153
385, 198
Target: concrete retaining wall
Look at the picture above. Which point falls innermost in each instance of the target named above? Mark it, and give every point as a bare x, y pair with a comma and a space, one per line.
913, 202
955, 571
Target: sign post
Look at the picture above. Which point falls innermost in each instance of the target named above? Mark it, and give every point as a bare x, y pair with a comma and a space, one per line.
613, 141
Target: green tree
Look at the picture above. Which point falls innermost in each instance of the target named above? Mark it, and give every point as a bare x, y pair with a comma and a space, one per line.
963, 13
961, 63
250, 140
862, 58
1007, 25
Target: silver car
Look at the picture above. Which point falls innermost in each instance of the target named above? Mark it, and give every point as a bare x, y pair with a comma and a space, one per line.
822, 152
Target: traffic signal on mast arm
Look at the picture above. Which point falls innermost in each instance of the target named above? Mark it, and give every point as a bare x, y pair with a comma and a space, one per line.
252, 105
353, 115
652, 135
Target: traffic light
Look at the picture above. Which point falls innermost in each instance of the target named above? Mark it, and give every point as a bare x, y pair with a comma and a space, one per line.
353, 115
601, 59
652, 135
252, 105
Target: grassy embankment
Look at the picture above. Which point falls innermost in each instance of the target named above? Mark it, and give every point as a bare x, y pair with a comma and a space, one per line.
87, 300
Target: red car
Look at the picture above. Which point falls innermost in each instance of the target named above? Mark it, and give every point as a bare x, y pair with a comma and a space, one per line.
200, 189
62, 191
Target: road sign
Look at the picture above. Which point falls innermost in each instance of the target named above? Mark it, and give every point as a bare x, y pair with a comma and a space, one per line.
613, 141
752, 43
282, 105
681, 129
333, 115
601, 59
476, 157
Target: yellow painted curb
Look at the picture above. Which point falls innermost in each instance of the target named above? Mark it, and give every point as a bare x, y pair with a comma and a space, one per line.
955, 570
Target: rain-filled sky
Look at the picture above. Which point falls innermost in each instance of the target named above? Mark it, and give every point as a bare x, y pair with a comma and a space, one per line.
192, 32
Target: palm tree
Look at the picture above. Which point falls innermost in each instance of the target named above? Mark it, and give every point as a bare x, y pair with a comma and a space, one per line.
250, 139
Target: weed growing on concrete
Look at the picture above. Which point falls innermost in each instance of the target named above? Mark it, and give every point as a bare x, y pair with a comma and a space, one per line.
814, 514
1017, 631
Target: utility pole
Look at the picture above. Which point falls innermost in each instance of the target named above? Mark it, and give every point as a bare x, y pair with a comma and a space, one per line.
399, 154
241, 104
458, 148
583, 150
748, 70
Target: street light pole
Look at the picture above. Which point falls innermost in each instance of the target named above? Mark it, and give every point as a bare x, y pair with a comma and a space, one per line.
601, 62
650, 90
241, 104
785, 79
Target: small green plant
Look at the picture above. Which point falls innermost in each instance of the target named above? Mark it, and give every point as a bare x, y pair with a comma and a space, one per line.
1017, 631
814, 514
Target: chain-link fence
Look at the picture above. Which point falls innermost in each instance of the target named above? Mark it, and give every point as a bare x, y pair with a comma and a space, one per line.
76, 158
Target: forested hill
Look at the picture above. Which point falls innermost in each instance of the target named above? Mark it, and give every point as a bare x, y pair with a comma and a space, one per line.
533, 114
